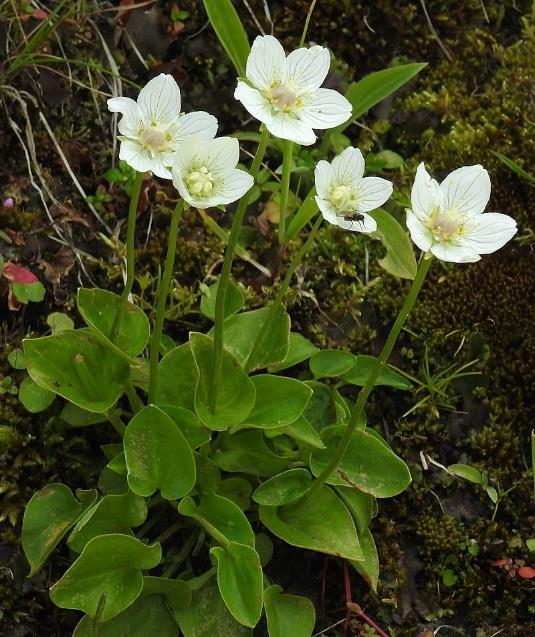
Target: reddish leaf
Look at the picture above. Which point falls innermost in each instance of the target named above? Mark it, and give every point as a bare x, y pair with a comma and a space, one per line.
40, 14
17, 274
527, 572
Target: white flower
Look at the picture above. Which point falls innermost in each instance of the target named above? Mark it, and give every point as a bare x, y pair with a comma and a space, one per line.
153, 128
447, 219
344, 196
205, 173
284, 92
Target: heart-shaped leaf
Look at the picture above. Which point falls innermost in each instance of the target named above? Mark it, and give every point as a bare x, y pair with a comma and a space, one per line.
361, 506
238, 490
240, 581
176, 592
322, 524
109, 565
158, 455
208, 474
369, 566
194, 431
279, 401
288, 615
329, 363
368, 464
303, 431
177, 378
399, 259
113, 514
34, 397
219, 516
75, 416
49, 514
360, 372
99, 309
75, 365
283, 488
300, 350
234, 300
235, 395
247, 452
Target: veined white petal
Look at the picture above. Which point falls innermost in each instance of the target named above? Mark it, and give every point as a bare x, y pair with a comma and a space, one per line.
287, 126
159, 99
467, 189
234, 186
372, 193
307, 69
348, 167
266, 62
488, 232
137, 157
186, 153
220, 154
327, 210
257, 105
323, 175
420, 234
178, 183
325, 108
330, 214
426, 194
131, 121
447, 251
197, 123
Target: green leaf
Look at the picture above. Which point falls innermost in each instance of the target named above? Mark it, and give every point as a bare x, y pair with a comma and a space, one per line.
236, 393
329, 363
241, 330
208, 615
369, 566
208, 474
16, 359
399, 259
59, 322
279, 401
466, 472
359, 374
321, 410
193, 430
175, 591
109, 565
247, 452
368, 464
373, 88
75, 416
158, 455
34, 397
240, 581
178, 376
49, 514
306, 212
361, 506
26, 292
99, 309
229, 29
322, 524
75, 365
302, 431
234, 300
300, 350
516, 168
219, 516
113, 514
288, 615
531, 545
238, 490
283, 488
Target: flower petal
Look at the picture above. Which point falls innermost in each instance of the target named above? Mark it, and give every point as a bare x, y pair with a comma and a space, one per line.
348, 167
426, 194
257, 105
372, 193
420, 234
323, 175
178, 183
186, 153
488, 232
221, 154
130, 123
307, 69
467, 189
137, 157
234, 186
447, 251
159, 99
287, 126
325, 108
197, 123
266, 62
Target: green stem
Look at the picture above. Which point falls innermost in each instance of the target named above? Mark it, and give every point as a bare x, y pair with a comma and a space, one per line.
130, 256
225, 272
117, 423
283, 288
287, 153
307, 22
163, 293
366, 390
134, 400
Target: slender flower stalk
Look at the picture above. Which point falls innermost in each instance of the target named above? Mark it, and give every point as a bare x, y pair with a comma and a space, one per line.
163, 293
287, 154
367, 389
225, 272
130, 256
283, 288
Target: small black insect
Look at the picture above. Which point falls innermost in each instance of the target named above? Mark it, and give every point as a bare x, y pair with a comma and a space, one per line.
353, 216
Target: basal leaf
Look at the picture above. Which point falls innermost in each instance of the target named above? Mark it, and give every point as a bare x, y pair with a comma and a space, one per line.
178, 377
288, 615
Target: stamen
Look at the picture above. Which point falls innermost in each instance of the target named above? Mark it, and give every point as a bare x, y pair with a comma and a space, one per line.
200, 182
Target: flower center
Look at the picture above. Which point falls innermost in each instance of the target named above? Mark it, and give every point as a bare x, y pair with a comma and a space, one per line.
154, 138
200, 181
446, 225
343, 198
283, 98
